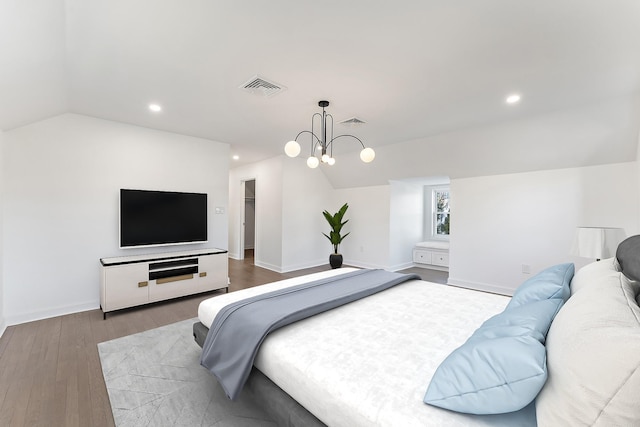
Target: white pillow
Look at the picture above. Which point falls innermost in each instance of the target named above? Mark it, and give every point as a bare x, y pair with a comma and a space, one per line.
593, 358
593, 273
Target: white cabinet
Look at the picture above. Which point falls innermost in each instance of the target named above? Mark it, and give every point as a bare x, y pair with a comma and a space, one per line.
437, 259
141, 279
422, 256
440, 258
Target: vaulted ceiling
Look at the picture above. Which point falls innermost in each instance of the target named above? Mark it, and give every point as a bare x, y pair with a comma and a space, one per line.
414, 70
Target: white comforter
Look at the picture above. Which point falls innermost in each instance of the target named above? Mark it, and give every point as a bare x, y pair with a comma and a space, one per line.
369, 362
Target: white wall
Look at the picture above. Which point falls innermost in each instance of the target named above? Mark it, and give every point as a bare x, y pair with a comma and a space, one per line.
498, 222
62, 179
638, 165
501, 222
2, 320
268, 213
406, 222
306, 193
290, 199
369, 214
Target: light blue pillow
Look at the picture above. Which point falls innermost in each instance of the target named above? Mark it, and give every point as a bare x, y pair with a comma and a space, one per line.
552, 282
502, 366
532, 319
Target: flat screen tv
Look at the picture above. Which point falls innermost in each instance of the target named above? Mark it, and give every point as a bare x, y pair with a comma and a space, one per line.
158, 218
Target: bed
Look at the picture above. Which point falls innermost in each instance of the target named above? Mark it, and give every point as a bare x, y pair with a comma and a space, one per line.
370, 362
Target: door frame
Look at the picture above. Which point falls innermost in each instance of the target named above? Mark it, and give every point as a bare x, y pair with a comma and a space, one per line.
243, 217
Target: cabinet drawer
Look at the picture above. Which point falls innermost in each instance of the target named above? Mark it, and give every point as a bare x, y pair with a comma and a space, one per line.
173, 287
441, 259
423, 257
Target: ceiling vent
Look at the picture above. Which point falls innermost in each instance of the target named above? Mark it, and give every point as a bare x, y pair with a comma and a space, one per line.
260, 86
353, 121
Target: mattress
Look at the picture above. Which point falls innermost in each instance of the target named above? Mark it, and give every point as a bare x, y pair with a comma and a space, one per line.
369, 362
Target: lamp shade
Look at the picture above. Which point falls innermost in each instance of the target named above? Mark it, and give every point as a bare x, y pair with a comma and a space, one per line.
292, 148
367, 155
313, 162
596, 242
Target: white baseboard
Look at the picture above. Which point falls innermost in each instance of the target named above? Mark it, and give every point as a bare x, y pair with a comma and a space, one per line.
401, 266
3, 326
360, 264
479, 286
311, 264
17, 319
268, 266
430, 266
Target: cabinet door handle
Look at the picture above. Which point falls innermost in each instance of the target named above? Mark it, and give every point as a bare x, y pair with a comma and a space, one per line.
174, 279
142, 284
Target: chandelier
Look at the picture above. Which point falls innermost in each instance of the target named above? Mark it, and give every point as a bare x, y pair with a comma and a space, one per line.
324, 142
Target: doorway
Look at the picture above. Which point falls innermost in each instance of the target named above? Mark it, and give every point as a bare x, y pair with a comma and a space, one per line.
248, 234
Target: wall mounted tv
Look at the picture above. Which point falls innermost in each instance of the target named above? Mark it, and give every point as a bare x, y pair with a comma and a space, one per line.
158, 218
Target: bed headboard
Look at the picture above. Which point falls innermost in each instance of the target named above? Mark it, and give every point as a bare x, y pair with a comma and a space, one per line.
628, 256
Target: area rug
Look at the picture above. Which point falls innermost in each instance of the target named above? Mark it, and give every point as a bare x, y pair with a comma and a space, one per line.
154, 378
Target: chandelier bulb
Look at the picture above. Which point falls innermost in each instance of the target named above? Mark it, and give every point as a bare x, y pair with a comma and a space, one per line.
325, 158
292, 148
313, 162
331, 161
367, 155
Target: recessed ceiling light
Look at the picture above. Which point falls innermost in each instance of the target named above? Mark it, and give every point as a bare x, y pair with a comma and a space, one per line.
235, 157
155, 108
513, 99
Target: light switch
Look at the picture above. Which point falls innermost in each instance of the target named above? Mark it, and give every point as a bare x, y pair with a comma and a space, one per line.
219, 210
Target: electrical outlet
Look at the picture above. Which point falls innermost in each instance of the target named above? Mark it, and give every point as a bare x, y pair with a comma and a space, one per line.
526, 269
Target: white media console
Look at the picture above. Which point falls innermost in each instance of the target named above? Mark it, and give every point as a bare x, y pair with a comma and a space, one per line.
141, 279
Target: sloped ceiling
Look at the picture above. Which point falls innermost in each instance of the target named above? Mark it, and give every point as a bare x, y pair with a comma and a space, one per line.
33, 72
413, 70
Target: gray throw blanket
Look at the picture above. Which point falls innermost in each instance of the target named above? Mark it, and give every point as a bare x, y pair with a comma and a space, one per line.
239, 328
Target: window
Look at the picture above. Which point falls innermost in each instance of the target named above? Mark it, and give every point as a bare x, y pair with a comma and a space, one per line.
441, 213
438, 212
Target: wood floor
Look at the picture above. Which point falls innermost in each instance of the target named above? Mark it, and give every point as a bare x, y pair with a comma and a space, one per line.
50, 373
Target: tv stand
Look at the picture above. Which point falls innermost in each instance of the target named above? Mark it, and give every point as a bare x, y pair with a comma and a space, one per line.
135, 280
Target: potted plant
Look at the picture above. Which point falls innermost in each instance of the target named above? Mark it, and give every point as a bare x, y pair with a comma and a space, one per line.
336, 223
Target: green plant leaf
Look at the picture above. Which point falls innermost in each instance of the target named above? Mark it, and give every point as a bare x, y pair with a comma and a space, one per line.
336, 224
